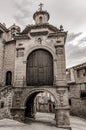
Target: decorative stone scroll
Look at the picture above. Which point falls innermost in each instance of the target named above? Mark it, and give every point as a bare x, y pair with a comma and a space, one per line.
59, 49
20, 52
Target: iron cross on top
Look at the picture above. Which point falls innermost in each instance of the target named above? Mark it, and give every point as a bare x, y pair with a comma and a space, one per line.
41, 5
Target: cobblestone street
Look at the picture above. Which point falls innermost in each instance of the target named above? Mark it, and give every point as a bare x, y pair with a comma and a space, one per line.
43, 121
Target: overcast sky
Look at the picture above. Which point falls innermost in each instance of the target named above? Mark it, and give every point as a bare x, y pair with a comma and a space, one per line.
69, 13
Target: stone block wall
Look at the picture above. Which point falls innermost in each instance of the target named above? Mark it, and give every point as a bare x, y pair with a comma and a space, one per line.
6, 95
1, 61
78, 103
9, 61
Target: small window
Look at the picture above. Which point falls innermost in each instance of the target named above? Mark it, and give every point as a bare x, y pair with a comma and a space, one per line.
8, 78
40, 20
78, 73
84, 72
2, 104
70, 102
68, 74
83, 94
68, 88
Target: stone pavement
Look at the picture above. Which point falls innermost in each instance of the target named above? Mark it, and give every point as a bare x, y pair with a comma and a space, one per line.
43, 121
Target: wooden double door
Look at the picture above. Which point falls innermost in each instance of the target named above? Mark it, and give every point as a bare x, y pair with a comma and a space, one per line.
39, 68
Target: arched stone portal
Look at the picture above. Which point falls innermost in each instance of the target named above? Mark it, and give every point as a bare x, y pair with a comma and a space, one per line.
30, 106
39, 68
24, 102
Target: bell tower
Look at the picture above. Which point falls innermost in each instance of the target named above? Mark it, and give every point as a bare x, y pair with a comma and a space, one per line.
40, 16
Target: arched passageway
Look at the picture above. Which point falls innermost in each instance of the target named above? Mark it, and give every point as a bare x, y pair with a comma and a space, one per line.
39, 69
31, 103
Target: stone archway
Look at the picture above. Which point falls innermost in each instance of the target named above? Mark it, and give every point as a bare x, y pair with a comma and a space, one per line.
29, 102
23, 95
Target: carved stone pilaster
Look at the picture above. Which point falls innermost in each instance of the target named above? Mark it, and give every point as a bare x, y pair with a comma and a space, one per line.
61, 95
17, 98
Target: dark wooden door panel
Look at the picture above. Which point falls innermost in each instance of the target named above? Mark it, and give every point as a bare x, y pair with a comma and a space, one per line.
39, 68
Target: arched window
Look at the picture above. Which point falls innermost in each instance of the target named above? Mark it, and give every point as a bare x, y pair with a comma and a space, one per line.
8, 78
70, 102
2, 104
40, 19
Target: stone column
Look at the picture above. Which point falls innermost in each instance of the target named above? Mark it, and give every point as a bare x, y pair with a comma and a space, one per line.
61, 69
62, 118
55, 72
24, 72
62, 109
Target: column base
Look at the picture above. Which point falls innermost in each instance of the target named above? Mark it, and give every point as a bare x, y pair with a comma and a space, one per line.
62, 118
18, 114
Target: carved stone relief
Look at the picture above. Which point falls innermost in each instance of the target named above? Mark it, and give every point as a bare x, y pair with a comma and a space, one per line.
59, 49
61, 99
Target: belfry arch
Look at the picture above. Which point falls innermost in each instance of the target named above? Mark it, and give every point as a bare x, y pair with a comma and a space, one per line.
39, 68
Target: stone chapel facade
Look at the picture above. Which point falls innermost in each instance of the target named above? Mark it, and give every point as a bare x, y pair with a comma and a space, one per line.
33, 61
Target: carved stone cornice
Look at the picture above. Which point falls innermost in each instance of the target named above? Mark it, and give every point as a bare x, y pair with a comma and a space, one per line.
58, 34
39, 33
19, 37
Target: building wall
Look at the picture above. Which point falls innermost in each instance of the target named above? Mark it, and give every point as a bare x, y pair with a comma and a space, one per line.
77, 90
45, 102
8, 61
1, 61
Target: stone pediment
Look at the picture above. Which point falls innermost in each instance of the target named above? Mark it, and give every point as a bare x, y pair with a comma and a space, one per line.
39, 33
39, 26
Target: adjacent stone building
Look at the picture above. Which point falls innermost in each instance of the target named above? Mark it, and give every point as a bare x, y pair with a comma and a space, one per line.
33, 61
45, 103
76, 77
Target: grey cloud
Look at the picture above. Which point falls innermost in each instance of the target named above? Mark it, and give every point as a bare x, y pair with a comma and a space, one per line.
22, 11
82, 40
73, 36
70, 13
75, 54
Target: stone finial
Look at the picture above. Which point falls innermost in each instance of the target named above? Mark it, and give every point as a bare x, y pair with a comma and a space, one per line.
61, 28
